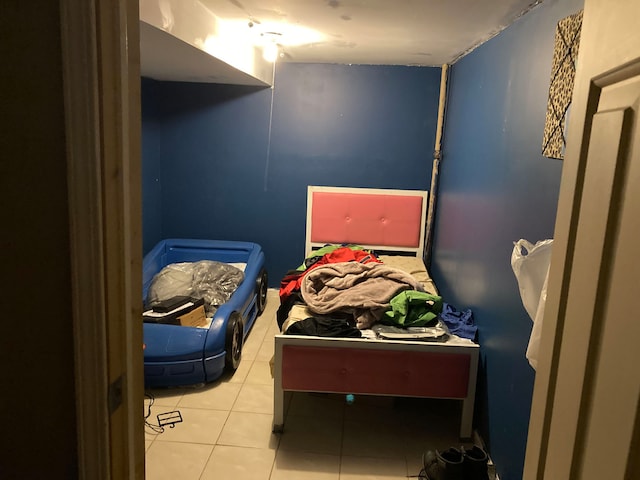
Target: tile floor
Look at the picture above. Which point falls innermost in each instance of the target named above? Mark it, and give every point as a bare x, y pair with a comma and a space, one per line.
226, 428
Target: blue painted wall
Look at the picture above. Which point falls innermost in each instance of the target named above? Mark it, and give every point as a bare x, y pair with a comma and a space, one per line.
151, 166
496, 187
234, 162
214, 147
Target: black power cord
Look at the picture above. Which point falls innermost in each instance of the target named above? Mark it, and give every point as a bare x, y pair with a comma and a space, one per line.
167, 418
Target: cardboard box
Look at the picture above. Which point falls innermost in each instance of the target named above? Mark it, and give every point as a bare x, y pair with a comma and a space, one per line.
194, 318
170, 311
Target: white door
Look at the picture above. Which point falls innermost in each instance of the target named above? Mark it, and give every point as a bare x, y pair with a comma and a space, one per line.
585, 422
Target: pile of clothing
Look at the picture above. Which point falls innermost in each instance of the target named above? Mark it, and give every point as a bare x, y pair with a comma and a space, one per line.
344, 289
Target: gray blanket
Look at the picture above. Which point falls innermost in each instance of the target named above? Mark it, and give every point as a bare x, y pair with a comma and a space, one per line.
361, 289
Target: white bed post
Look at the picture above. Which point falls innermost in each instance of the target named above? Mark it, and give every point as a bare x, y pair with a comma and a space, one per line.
307, 236
278, 392
468, 403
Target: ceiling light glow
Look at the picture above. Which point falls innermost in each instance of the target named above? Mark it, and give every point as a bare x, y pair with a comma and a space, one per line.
270, 52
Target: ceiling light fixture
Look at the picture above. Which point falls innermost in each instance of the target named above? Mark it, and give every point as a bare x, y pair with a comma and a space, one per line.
270, 52
270, 47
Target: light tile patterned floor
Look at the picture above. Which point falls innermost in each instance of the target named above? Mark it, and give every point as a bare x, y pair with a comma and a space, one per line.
226, 428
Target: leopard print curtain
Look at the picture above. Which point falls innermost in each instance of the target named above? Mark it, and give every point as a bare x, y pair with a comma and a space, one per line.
563, 74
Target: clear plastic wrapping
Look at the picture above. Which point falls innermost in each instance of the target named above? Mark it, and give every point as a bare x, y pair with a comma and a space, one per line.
212, 281
435, 333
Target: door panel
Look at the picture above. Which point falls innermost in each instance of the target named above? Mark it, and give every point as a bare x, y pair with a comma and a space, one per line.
588, 287
613, 392
585, 422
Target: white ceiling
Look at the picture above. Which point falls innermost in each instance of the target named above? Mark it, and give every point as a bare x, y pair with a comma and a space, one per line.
377, 32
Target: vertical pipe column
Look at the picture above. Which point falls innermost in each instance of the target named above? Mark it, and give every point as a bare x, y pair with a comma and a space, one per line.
435, 168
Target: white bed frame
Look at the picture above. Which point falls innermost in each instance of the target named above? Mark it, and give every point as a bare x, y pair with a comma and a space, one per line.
373, 367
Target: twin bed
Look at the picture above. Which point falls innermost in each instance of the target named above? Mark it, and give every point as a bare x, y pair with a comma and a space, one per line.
391, 223
388, 222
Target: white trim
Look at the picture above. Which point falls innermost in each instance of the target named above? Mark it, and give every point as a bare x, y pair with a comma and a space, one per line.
84, 166
100, 50
119, 74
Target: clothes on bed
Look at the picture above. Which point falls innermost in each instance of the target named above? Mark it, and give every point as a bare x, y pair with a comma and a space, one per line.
297, 312
412, 308
293, 306
414, 266
436, 333
323, 326
292, 281
343, 252
285, 308
301, 321
290, 285
362, 289
460, 323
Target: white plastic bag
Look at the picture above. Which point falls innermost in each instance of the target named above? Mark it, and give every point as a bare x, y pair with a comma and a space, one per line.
530, 264
534, 339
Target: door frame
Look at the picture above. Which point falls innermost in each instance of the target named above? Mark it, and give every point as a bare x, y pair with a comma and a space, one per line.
100, 46
101, 72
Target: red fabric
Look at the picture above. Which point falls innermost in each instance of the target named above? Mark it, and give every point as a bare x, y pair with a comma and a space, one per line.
345, 254
289, 284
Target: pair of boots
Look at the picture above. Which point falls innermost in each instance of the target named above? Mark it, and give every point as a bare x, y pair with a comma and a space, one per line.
454, 464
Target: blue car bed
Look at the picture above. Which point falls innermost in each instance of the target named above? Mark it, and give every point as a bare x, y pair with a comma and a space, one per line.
175, 354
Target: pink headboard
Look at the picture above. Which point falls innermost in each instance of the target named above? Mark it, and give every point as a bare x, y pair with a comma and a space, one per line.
383, 220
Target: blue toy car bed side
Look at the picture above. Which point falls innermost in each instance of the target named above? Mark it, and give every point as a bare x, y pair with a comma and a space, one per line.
179, 355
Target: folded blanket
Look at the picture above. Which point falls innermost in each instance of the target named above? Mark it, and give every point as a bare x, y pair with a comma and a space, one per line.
365, 290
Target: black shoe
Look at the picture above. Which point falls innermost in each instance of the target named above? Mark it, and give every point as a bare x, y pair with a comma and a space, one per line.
448, 465
475, 463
